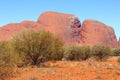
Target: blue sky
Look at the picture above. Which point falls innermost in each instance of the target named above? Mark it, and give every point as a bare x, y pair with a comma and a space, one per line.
106, 11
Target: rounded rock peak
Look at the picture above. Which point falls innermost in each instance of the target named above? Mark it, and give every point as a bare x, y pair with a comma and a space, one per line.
92, 21
56, 18
53, 15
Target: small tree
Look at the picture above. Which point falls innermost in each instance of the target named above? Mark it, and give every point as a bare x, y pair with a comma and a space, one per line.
101, 52
37, 46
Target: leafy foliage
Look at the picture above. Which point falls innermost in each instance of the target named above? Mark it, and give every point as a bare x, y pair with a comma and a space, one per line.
77, 53
101, 52
119, 59
85, 52
116, 51
37, 46
71, 53
7, 59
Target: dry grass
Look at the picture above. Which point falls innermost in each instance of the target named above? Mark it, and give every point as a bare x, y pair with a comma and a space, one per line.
73, 70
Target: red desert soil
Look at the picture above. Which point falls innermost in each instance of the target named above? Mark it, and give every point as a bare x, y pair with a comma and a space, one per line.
73, 70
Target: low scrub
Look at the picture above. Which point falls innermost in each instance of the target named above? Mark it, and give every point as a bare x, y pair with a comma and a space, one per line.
8, 60
77, 53
71, 53
85, 52
101, 52
119, 59
116, 51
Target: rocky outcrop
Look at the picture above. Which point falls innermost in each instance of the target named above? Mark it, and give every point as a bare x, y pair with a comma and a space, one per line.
62, 25
68, 28
119, 42
94, 32
7, 31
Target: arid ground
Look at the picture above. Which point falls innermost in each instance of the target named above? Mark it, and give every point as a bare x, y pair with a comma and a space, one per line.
72, 70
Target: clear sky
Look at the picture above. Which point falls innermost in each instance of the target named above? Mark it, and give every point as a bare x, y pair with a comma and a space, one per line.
106, 11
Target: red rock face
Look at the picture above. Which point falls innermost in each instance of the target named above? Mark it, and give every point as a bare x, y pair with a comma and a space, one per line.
94, 32
67, 27
119, 43
61, 25
7, 31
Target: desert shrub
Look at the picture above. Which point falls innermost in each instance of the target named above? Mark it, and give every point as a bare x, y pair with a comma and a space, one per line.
30, 77
100, 52
85, 52
57, 54
119, 59
7, 59
116, 52
37, 46
71, 53
77, 53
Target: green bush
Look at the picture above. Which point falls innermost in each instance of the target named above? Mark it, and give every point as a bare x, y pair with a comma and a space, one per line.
71, 53
116, 52
57, 54
7, 59
101, 52
119, 59
37, 46
85, 52
77, 53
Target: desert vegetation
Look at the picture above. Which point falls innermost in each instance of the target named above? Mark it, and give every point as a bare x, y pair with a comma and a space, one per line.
35, 47
8, 59
116, 51
119, 59
101, 52
30, 47
77, 53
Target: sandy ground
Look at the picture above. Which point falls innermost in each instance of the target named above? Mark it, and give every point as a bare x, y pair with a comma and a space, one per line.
72, 70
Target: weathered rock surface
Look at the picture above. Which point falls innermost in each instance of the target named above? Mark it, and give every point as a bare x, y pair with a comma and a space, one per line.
94, 32
7, 31
62, 25
119, 43
67, 27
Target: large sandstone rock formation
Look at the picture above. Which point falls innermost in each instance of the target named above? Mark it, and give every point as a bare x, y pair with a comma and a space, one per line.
95, 32
61, 25
67, 27
119, 43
